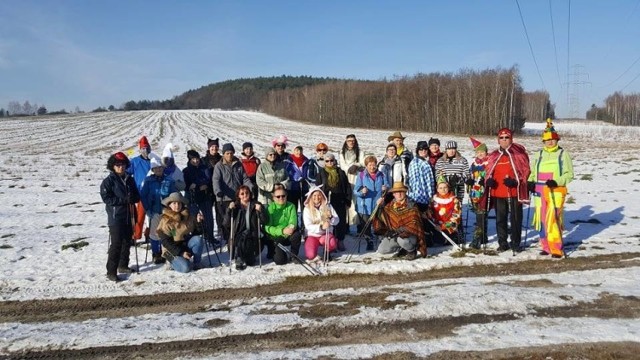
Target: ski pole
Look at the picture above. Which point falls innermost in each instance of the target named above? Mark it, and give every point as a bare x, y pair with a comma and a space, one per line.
446, 237
204, 227
526, 229
259, 241
231, 241
366, 225
135, 246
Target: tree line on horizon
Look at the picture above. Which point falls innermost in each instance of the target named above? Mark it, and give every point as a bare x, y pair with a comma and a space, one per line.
619, 109
474, 102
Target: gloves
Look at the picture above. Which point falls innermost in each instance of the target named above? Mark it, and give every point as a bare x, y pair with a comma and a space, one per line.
490, 183
531, 186
481, 182
470, 182
551, 183
219, 195
131, 199
510, 183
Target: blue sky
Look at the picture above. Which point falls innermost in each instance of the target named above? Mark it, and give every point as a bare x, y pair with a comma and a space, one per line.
93, 53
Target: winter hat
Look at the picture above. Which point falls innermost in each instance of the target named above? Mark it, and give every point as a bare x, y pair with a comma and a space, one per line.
434, 141
477, 145
228, 147
192, 154
155, 162
398, 186
322, 146
505, 132
167, 152
329, 156
144, 143
549, 132
282, 139
396, 134
175, 197
118, 158
422, 145
269, 150
212, 142
247, 145
451, 145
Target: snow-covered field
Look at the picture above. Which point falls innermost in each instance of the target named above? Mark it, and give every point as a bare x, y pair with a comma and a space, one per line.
51, 170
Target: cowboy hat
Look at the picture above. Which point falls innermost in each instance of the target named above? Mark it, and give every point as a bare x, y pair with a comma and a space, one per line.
398, 187
175, 197
396, 134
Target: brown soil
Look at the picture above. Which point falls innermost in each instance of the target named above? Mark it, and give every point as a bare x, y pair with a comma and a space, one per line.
392, 331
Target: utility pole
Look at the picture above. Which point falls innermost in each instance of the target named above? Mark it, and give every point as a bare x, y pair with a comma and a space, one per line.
575, 82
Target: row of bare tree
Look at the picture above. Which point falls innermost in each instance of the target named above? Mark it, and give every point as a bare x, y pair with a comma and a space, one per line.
620, 109
469, 101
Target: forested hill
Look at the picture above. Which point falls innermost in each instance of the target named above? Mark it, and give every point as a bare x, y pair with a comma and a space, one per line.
469, 101
241, 93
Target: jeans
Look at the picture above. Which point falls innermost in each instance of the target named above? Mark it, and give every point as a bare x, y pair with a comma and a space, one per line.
180, 264
389, 245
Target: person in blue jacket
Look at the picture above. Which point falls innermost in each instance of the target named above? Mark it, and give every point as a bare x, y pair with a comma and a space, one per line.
370, 186
155, 188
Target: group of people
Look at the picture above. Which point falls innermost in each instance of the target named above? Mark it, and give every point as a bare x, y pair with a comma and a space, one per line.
408, 201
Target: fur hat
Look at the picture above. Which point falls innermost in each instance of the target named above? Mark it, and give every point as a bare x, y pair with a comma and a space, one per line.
192, 154
434, 141
118, 158
144, 143
228, 147
247, 145
212, 142
282, 139
451, 145
175, 197
398, 186
396, 134
477, 145
505, 132
549, 132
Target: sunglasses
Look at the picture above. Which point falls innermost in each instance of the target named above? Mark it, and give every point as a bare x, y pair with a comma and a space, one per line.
119, 164
329, 161
505, 137
279, 145
322, 150
279, 196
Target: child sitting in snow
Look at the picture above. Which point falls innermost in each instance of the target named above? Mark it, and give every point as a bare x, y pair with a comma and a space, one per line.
445, 212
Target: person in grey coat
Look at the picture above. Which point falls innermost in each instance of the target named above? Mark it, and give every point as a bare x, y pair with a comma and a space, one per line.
228, 175
270, 173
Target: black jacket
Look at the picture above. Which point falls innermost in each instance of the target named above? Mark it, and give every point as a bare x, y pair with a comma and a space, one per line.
118, 193
341, 194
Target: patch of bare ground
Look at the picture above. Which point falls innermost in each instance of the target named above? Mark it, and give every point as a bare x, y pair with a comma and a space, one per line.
192, 302
607, 306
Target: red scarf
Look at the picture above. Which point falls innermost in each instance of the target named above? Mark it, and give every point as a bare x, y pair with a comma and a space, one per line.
298, 160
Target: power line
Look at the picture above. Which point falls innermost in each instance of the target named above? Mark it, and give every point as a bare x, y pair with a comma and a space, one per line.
630, 82
555, 49
526, 33
623, 73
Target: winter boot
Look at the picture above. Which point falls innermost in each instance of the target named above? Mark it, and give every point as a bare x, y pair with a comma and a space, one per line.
125, 270
411, 255
370, 245
113, 277
158, 259
341, 245
240, 265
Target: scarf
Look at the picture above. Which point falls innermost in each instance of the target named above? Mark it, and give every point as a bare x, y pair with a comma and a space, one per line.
551, 149
298, 160
332, 177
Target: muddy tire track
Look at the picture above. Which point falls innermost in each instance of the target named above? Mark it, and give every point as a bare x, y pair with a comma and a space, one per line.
192, 302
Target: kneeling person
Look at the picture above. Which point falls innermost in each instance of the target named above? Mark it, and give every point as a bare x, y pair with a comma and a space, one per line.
281, 227
179, 233
400, 226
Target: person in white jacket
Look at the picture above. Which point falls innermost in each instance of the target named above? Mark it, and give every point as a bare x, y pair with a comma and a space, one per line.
319, 219
170, 168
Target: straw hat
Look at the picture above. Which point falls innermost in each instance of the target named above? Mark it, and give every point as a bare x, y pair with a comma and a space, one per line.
398, 187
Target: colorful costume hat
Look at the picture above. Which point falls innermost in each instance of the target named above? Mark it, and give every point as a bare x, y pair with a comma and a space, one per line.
549, 132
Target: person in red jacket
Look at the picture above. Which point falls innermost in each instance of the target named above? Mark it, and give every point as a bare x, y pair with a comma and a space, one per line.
507, 173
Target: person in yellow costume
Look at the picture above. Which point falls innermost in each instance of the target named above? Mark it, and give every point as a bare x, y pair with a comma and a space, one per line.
551, 171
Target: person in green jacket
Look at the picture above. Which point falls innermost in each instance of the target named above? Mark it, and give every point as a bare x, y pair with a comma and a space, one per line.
551, 171
282, 227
